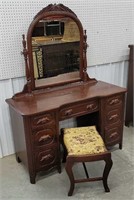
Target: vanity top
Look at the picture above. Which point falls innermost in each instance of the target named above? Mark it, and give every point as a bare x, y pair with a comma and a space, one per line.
40, 102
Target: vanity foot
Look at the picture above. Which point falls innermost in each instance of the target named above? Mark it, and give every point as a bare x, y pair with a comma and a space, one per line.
120, 146
32, 179
18, 159
59, 169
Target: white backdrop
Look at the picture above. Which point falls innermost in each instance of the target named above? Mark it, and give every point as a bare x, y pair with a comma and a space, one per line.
108, 23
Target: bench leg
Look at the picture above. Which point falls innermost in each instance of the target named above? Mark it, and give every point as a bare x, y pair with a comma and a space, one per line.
107, 169
69, 171
85, 169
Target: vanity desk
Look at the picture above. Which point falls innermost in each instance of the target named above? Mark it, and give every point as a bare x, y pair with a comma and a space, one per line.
43, 103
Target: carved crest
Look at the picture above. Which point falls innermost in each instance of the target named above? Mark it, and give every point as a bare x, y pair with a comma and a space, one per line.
55, 7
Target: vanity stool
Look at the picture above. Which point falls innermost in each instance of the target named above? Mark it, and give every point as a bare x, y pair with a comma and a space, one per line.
84, 144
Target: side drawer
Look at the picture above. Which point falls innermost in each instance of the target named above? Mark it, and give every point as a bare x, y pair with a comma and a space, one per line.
46, 159
43, 119
113, 116
79, 109
113, 135
116, 100
44, 137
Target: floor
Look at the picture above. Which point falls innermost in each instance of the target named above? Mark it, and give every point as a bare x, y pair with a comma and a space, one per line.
15, 183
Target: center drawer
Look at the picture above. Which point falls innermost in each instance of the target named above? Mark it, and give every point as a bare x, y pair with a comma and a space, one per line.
79, 109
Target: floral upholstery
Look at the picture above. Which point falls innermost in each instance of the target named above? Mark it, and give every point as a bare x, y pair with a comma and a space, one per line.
83, 140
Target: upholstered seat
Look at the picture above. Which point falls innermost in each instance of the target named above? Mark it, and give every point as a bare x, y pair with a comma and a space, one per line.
84, 144
82, 141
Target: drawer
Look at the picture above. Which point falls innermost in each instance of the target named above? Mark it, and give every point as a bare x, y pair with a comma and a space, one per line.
42, 119
79, 109
113, 116
46, 159
116, 100
113, 135
45, 137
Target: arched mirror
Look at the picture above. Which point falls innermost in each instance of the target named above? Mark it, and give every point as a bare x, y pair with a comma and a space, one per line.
56, 48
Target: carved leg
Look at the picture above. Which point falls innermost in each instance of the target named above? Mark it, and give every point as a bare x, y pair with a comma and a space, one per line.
18, 159
107, 169
69, 171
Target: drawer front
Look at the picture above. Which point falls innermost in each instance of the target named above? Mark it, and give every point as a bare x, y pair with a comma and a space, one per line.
116, 100
45, 137
112, 110
42, 120
113, 135
113, 116
79, 109
46, 159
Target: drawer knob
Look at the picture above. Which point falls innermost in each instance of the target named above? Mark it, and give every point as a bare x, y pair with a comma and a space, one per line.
44, 137
43, 120
68, 112
46, 157
114, 101
113, 117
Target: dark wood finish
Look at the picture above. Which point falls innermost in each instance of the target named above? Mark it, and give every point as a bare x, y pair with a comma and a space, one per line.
37, 111
71, 160
40, 115
130, 90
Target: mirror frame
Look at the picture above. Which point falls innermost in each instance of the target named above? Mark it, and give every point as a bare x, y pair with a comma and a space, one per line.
53, 11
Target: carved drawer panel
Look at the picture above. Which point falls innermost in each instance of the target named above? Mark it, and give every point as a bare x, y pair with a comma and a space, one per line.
42, 120
113, 135
113, 116
79, 109
45, 159
43, 137
114, 101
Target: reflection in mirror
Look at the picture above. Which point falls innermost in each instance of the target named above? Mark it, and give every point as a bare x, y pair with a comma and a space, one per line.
56, 48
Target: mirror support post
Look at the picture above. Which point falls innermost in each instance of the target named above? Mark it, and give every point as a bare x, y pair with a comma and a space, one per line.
25, 53
84, 57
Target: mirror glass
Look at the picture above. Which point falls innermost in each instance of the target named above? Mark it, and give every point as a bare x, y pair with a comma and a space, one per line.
55, 48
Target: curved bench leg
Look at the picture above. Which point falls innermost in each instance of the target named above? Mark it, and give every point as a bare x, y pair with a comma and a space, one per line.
107, 169
69, 171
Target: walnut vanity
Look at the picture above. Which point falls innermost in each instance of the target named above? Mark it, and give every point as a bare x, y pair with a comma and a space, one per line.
59, 88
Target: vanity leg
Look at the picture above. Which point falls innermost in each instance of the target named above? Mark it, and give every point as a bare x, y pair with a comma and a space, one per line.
32, 179
17, 158
59, 168
120, 145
